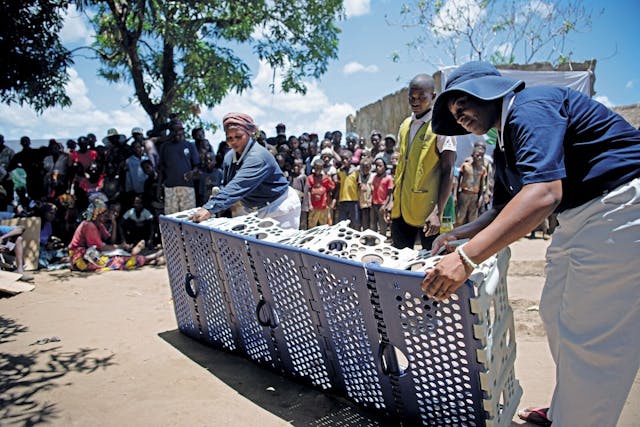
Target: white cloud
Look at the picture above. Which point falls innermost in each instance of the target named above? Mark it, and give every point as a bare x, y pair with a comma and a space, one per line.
76, 28
535, 7
82, 117
543, 9
630, 84
332, 117
456, 15
312, 112
264, 30
356, 7
604, 101
356, 67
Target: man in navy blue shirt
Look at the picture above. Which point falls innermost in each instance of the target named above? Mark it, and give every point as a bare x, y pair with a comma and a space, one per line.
252, 180
558, 151
179, 161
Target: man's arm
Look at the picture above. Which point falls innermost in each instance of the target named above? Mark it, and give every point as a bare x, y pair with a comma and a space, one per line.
249, 176
388, 204
521, 215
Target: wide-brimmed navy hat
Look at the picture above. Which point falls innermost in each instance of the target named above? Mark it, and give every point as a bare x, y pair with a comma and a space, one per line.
479, 79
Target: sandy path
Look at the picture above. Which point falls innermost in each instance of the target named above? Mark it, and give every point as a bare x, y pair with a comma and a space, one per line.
120, 361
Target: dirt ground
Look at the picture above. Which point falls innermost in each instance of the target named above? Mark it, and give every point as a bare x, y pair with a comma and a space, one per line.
103, 349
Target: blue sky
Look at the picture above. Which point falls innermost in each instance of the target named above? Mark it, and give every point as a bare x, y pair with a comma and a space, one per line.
363, 73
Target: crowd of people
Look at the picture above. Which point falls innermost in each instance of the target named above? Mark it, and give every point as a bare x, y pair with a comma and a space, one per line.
109, 193
558, 152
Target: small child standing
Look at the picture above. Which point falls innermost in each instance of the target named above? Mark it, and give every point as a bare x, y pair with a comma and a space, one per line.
298, 181
320, 188
365, 191
470, 191
348, 192
382, 184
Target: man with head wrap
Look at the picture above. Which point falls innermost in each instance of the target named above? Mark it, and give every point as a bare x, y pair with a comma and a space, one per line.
252, 180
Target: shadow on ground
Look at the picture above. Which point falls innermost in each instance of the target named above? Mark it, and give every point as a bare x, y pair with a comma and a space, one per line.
296, 403
23, 376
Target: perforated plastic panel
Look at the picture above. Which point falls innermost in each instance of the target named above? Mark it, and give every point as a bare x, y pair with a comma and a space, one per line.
302, 353
495, 330
212, 307
177, 268
236, 271
435, 351
351, 326
363, 330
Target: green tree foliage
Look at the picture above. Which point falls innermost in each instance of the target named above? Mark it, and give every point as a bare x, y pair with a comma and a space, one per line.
33, 69
500, 31
180, 55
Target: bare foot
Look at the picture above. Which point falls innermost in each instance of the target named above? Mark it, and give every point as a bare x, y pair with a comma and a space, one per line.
138, 248
155, 255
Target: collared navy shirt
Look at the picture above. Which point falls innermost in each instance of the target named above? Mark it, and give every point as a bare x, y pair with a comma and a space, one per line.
255, 179
176, 159
557, 133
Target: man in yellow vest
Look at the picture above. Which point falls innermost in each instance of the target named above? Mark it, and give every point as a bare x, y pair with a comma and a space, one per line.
424, 173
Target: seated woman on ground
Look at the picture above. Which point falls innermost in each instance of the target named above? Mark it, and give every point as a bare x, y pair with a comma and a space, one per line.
52, 250
89, 252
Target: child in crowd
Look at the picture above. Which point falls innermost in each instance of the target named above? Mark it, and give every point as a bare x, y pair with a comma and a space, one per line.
210, 176
365, 190
281, 160
52, 249
382, 184
137, 224
92, 182
348, 191
134, 175
114, 223
320, 188
470, 190
298, 181
391, 169
327, 163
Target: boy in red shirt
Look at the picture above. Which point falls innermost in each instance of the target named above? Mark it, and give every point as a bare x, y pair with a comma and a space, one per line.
320, 187
382, 184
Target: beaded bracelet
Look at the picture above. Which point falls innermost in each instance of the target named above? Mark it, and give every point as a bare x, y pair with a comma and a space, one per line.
465, 258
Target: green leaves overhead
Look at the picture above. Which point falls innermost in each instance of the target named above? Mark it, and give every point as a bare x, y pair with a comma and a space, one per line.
180, 55
33, 69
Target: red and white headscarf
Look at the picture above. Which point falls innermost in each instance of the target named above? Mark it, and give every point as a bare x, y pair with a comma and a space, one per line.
240, 120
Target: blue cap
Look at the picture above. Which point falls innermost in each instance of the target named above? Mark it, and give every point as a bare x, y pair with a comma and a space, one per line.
479, 79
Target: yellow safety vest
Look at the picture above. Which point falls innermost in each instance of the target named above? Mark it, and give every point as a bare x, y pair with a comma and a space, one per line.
417, 175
